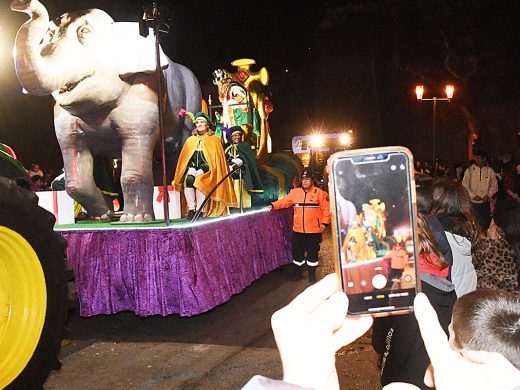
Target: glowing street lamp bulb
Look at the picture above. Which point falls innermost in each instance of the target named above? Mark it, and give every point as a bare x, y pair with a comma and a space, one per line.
419, 91
316, 140
344, 139
449, 91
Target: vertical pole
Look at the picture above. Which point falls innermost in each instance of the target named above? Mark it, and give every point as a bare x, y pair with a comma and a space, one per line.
158, 70
434, 140
240, 189
210, 108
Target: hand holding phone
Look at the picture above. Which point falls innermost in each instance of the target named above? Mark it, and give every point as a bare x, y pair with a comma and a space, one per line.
373, 207
309, 331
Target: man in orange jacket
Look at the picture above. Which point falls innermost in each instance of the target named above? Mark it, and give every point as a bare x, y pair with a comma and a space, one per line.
311, 217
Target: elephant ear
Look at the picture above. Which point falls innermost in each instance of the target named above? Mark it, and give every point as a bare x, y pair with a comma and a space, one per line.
135, 54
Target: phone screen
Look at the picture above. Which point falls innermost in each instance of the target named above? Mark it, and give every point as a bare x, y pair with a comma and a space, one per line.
375, 230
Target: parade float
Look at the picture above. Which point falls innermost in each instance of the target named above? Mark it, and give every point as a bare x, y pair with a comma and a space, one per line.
119, 97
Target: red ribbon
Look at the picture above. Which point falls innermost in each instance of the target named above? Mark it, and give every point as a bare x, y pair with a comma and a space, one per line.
55, 206
160, 196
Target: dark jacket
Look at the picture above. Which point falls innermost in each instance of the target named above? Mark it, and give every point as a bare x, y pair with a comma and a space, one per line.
398, 340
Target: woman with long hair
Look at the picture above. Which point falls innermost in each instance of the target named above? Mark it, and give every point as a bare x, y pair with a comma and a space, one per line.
452, 206
399, 349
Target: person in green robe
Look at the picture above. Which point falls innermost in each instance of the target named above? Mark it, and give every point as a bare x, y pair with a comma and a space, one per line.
239, 153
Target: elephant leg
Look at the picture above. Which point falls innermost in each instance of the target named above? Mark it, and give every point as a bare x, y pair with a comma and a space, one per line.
136, 179
79, 181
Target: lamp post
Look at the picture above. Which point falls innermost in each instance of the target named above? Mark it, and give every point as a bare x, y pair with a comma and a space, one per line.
419, 91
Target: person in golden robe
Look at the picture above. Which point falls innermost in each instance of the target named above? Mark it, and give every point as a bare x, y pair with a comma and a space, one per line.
201, 166
354, 246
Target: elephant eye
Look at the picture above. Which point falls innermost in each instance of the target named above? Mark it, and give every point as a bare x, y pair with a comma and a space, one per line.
83, 32
49, 36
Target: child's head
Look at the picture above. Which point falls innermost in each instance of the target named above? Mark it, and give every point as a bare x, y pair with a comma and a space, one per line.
487, 320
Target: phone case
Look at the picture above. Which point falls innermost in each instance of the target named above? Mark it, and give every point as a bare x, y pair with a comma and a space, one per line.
409, 276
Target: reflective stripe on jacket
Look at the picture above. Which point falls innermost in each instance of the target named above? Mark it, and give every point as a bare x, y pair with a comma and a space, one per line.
311, 209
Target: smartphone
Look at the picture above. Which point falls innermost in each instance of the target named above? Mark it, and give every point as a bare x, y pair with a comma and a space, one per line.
372, 195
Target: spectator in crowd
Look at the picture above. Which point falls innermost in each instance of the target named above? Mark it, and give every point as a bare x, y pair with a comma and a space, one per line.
311, 218
201, 166
511, 183
424, 197
310, 329
487, 320
456, 171
440, 167
47, 180
400, 352
481, 183
37, 183
452, 206
497, 254
35, 170
420, 168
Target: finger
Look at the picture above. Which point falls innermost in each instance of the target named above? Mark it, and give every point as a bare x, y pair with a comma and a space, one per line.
353, 327
332, 311
314, 295
434, 338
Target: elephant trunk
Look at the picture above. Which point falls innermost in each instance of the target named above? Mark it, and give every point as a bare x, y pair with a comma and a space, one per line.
37, 74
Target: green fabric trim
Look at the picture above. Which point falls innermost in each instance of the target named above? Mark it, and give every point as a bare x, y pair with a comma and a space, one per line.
218, 130
256, 122
6, 157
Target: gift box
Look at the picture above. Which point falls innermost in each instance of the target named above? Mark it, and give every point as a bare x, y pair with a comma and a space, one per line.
59, 203
174, 204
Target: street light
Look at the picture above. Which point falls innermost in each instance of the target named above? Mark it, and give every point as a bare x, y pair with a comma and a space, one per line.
449, 90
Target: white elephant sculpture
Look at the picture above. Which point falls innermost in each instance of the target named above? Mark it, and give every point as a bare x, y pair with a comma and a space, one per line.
102, 76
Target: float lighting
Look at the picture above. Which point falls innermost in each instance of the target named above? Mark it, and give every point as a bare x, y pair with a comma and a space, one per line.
344, 139
316, 140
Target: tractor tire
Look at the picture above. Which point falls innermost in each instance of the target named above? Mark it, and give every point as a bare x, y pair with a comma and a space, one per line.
33, 289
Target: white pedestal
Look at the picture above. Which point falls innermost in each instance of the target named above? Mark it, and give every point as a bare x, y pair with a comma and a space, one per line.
174, 206
58, 203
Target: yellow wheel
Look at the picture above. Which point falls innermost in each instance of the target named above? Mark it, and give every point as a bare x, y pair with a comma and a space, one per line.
23, 302
33, 289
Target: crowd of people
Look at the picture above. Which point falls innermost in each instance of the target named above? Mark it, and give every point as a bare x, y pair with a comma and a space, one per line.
488, 179
466, 323
36, 180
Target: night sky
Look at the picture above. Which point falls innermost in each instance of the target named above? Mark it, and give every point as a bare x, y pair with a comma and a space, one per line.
334, 65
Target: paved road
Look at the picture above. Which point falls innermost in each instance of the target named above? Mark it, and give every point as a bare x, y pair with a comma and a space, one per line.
220, 349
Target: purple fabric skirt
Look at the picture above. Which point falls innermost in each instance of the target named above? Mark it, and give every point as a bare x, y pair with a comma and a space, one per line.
176, 270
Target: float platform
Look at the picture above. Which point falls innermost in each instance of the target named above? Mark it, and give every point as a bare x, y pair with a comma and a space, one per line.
184, 269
